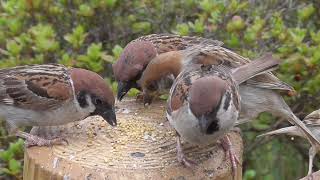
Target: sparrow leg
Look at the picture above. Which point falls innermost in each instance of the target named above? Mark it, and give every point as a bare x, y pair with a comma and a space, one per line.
312, 153
32, 140
181, 156
227, 146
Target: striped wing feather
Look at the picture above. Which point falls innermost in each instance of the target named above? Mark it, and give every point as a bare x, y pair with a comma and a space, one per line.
37, 87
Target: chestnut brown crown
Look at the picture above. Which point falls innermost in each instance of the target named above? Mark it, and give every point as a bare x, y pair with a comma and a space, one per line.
92, 83
134, 58
206, 94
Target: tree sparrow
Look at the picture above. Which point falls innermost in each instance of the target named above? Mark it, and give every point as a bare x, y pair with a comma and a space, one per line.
258, 94
204, 102
49, 95
138, 53
312, 121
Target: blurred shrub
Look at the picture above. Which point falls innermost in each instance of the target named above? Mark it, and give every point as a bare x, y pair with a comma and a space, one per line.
91, 34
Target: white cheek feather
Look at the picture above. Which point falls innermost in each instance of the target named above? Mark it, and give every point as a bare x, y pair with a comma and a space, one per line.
83, 112
228, 116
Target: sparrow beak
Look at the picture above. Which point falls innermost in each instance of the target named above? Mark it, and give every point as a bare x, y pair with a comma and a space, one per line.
110, 117
123, 88
107, 114
147, 99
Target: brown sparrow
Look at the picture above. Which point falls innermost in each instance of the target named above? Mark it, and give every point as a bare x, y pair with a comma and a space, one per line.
138, 53
204, 102
258, 94
312, 121
49, 95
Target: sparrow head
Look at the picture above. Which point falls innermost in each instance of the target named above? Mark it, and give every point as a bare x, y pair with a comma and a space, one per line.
205, 100
156, 74
89, 86
133, 60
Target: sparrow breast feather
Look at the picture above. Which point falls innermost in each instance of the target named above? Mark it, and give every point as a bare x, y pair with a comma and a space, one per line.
204, 101
48, 95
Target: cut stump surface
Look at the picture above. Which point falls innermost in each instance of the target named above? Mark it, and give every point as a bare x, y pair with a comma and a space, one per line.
142, 146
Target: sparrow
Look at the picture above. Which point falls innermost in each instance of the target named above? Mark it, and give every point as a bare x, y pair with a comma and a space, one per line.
50, 95
312, 121
258, 94
139, 52
204, 103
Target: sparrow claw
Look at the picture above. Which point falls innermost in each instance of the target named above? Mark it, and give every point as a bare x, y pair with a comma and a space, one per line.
185, 161
181, 156
32, 140
227, 146
139, 98
37, 141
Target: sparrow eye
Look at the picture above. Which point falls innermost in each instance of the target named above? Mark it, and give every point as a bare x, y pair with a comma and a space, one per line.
98, 101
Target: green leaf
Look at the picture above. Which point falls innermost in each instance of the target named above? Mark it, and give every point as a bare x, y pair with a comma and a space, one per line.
141, 27
233, 40
66, 60
85, 10
13, 47
297, 34
315, 36
117, 50
5, 171
93, 59
77, 37
197, 26
133, 92
215, 17
6, 155
111, 3
182, 29
164, 96
94, 51
15, 166
17, 147
306, 12
44, 38
15, 25
250, 174
236, 24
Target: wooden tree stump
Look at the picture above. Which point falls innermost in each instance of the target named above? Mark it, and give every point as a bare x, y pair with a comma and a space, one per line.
142, 146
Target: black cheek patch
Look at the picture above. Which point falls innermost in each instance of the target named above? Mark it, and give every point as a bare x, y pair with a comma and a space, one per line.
81, 97
227, 101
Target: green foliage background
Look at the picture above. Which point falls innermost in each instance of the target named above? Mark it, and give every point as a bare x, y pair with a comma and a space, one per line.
91, 34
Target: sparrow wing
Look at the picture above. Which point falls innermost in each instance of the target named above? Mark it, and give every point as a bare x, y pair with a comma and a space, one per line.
171, 42
216, 55
261, 65
37, 87
313, 119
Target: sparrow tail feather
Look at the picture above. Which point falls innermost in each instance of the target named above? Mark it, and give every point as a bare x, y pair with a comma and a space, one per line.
292, 131
264, 64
